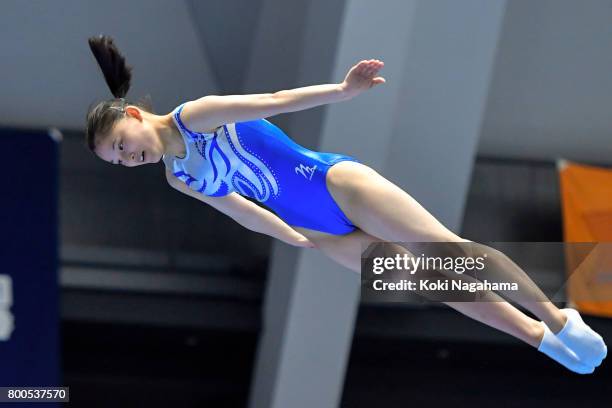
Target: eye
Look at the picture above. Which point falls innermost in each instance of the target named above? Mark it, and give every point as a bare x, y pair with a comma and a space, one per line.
120, 148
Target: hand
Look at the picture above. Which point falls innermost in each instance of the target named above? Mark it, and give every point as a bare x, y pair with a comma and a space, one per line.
362, 76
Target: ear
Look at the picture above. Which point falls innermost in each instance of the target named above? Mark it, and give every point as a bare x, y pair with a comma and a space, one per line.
133, 112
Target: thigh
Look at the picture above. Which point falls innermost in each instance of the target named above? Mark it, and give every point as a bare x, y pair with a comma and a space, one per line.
344, 249
381, 208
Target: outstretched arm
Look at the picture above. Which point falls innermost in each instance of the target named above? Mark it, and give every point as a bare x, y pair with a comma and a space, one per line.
212, 111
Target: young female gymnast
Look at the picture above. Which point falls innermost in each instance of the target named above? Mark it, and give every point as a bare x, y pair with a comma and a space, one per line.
219, 149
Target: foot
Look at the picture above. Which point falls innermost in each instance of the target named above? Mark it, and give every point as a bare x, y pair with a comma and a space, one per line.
555, 349
587, 344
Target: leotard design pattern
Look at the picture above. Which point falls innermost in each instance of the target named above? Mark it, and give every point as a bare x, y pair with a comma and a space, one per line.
257, 159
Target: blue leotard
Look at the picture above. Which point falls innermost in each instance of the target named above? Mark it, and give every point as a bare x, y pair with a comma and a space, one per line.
257, 159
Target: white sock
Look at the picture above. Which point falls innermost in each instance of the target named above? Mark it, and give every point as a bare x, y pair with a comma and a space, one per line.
555, 349
587, 344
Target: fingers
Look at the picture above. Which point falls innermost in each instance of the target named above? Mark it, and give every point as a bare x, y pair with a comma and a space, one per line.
369, 68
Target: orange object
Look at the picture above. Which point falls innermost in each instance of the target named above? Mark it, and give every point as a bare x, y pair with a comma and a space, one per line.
586, 200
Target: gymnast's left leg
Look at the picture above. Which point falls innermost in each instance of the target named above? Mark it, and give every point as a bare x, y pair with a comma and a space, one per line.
346, 250
383, 210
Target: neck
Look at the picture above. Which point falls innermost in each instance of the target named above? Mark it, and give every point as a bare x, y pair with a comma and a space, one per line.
169, 135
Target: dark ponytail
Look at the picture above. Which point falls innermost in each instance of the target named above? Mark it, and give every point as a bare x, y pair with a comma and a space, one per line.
118, 75
116, 72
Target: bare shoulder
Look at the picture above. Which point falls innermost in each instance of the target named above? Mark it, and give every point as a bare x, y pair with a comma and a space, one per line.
196, 117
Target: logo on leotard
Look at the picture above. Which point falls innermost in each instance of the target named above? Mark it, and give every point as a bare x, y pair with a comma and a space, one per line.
305, 170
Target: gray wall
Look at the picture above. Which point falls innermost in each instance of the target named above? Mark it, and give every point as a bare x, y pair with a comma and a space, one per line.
551, 93
54, 77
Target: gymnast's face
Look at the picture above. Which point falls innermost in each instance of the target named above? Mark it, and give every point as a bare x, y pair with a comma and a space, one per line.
129, 139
